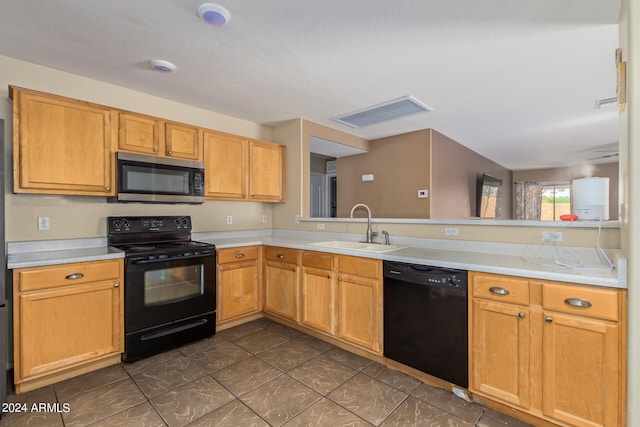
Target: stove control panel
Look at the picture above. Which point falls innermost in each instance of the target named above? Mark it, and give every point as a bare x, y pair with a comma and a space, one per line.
145, 224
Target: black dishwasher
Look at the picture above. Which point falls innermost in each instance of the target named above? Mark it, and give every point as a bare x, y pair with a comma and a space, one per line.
425, 319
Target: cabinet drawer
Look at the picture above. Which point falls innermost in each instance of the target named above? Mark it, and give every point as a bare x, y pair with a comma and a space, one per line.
245, 253
586, 301
501, 288
318, 260
364, 267
32, 279
281, 254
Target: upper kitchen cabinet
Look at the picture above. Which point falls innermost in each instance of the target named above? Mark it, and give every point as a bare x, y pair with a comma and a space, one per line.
240, 169
266, 171
150, 135
61, 145
225, 157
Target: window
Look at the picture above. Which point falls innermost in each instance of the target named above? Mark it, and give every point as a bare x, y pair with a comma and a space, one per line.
556, 200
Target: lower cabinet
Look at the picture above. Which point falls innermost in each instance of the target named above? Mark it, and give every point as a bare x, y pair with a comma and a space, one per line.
68, 319
360, 301
319, 292
582, 365
501, 336
281, 282
238, 282
554, 350
337, 295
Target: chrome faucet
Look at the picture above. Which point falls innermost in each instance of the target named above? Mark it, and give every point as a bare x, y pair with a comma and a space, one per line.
370, 233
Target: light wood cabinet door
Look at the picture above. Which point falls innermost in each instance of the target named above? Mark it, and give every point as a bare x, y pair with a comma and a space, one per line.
266, 171
238, 282
62, 146
581, 370
68, 319
183, 141
360, 301
282, 290
319, 299
500, 351
149, 135
359, 311
140, 134
225, 162
67, 326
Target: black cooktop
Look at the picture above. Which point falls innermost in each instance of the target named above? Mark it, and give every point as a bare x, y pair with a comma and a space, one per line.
146, 235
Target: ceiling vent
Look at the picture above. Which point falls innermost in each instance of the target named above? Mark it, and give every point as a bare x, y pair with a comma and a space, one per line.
606, 101
391, 110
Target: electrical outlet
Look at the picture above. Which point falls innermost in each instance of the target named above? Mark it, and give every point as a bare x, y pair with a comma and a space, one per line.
320, 226
43, 223
423, 194
552, 236
264, 218
229, 219
451, 231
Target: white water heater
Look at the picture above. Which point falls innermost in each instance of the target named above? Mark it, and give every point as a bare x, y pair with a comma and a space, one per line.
590, 198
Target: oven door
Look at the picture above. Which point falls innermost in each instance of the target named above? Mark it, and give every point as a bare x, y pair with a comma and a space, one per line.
162, 291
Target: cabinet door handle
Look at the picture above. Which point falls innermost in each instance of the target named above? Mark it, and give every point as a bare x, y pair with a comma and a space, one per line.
339, 279
169, 152
548, 319
221, 269
107, 188
496, 290
521, 315
328, 276
155, 150
116, 285
280, 256
74, 276
577, 302
240, 255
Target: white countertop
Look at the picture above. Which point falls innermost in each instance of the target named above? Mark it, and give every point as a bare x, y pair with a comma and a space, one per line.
50, 252
510, 259
533, 261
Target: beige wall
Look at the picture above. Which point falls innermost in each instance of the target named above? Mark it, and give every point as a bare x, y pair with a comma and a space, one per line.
400, 167
79, 217
607, 170
455, 170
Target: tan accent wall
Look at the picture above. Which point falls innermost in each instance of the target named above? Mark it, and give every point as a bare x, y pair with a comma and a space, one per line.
400, 167
607, 170
455, 171
309, 129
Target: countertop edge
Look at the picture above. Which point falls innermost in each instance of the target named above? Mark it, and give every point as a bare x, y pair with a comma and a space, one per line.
465, 260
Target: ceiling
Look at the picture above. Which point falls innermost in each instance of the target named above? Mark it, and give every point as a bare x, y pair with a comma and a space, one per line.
515, 81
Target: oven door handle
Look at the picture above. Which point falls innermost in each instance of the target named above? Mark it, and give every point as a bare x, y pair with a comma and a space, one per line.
177, 258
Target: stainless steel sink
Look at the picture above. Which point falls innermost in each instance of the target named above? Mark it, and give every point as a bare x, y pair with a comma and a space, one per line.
358, 246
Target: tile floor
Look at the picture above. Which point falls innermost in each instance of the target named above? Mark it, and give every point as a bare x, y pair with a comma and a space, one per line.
257, 374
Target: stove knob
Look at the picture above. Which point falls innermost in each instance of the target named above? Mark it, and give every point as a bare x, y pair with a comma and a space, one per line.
184, 221
117, 224
126, 224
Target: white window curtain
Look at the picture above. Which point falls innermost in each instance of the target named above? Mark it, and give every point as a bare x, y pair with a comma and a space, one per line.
528, 200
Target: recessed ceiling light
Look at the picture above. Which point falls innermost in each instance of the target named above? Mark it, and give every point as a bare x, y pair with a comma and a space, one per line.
161, 65
214, 14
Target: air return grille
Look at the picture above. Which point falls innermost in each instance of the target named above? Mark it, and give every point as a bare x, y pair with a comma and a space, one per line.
384, 112
606, 101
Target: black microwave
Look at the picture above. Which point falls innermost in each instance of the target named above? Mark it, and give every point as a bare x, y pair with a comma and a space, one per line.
151, 179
